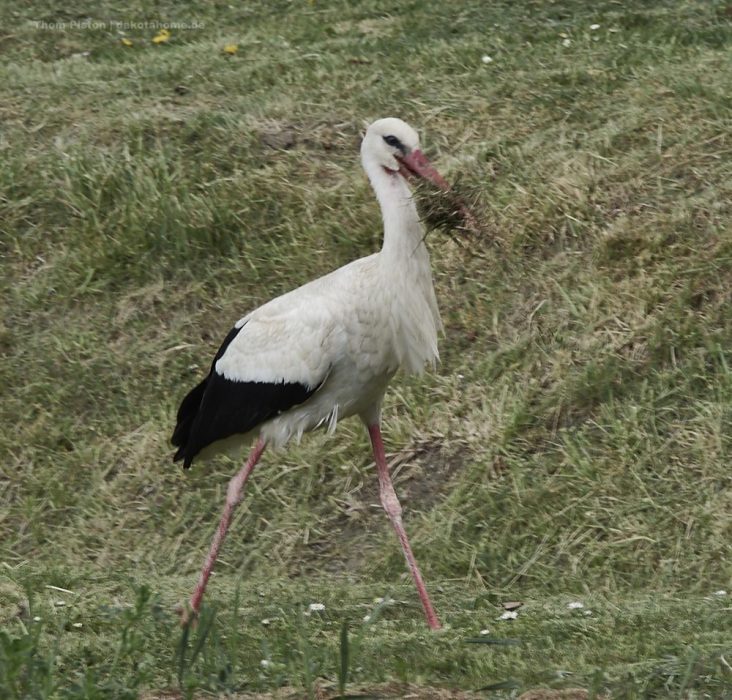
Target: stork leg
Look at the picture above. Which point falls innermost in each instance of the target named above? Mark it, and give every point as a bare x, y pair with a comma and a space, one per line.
394, 510
233, 497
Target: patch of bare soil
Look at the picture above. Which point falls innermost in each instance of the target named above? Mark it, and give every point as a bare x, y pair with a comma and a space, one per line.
548, 694
322, 138
421, 474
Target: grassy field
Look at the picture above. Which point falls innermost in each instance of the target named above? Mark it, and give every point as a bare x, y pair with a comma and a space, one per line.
573, 446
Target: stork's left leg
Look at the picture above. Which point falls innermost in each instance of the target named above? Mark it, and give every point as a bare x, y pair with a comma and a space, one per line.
233, 496
394, 510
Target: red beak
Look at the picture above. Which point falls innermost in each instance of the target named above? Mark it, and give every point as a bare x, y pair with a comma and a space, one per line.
416, 163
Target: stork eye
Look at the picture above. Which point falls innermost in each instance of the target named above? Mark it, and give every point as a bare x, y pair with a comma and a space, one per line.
394, 142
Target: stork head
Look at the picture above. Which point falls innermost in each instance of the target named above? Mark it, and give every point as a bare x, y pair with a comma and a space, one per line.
393, 145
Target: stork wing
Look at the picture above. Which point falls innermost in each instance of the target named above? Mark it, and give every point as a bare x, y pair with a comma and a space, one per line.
277, 345
273, 359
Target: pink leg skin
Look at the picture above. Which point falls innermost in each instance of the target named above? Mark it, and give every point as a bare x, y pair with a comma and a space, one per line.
394, 511
233, 497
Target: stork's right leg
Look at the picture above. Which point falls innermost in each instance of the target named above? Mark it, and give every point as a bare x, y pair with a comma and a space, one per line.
233, 496
394, 510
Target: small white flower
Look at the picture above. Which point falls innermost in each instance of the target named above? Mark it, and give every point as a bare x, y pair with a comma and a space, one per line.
588, 612
576, 605
366, 618
484, 632
60, 603
265, 622
509, 615
78, 625
316, 607
36, 619
487, 59
566, 42
594, 27
264, 663
378, 601
720, 592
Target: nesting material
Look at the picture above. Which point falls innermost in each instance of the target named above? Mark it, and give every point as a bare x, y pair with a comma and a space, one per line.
450, 211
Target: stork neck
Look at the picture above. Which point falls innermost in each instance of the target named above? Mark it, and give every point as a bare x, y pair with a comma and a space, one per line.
415, 318
403, 233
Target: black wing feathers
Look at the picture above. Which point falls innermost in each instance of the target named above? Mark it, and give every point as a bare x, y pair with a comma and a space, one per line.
186, 415
218, 407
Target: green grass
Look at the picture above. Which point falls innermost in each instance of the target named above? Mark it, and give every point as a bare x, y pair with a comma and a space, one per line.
574, 443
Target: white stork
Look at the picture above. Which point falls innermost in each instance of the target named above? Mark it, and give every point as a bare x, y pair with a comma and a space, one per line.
327, 350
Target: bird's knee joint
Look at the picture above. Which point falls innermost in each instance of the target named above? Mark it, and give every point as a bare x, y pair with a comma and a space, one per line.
233, 493
391, 505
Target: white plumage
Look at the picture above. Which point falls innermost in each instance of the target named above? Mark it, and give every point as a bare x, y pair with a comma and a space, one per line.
327, 350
